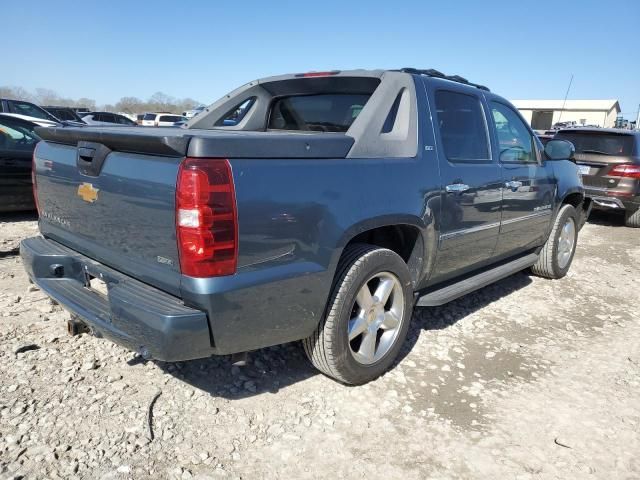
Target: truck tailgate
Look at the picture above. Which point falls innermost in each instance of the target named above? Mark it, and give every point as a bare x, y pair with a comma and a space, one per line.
122, 215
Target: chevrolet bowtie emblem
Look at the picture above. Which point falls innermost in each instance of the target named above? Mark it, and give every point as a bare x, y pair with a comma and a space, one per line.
87, 192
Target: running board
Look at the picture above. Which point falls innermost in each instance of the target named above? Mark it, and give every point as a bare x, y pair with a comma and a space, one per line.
451, 292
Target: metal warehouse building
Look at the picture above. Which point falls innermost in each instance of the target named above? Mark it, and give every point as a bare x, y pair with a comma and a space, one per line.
542, 114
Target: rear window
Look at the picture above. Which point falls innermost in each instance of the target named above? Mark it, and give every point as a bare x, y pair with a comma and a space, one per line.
322, 113
170, 118
149, 116
599, 143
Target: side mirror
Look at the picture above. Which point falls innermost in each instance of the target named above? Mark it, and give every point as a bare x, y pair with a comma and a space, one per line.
559, 150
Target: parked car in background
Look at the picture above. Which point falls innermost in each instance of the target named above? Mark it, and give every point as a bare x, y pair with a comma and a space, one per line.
17, 141
64, 113
194, 112
168, 120
334, 205
609, 161
39, 121
28, 111
107, 118
149, 119
162, 120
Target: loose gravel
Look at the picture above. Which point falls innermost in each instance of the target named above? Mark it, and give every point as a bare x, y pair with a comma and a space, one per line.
524, 379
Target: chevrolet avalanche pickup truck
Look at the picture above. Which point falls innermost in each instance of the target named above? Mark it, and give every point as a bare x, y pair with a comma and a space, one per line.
319, 207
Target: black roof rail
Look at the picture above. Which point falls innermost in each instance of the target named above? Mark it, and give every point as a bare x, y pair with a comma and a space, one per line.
437, 74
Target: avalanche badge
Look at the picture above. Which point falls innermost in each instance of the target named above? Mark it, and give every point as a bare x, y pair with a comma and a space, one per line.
87, 192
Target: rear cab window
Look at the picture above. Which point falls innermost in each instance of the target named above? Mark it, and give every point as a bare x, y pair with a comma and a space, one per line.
322, 112
600, 143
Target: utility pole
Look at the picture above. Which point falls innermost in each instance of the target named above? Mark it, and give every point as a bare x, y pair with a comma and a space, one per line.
638, 119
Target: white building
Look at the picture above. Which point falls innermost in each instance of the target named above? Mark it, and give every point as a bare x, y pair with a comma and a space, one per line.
542, 114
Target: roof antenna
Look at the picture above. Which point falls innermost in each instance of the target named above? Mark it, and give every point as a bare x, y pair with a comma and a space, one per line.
565, 98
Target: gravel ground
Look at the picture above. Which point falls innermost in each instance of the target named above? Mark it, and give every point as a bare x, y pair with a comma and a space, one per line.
525, 379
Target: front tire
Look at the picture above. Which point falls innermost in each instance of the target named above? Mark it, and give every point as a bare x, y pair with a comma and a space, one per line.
557, 254
632, 219
367, 317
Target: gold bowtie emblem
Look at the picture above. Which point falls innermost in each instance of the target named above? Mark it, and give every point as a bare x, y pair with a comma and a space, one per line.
87, 192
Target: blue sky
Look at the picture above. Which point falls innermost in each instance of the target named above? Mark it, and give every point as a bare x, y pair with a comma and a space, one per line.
202, 49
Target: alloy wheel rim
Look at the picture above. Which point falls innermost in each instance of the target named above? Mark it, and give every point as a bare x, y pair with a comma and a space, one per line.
376, 318
566, 242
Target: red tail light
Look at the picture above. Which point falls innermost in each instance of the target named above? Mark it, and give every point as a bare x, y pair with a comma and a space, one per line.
33, 182
206, 220
629, 171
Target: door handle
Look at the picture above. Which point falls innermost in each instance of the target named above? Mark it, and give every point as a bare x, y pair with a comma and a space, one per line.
513, 184
456, 188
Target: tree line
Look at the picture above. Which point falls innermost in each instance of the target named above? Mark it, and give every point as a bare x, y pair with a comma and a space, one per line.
158, 102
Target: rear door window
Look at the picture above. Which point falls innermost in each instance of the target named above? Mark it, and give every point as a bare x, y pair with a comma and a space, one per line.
602, 143
463, 128
149, 116
321, 113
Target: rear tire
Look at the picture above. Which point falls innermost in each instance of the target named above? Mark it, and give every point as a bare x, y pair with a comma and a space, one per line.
361, 334
557, 254
632, 219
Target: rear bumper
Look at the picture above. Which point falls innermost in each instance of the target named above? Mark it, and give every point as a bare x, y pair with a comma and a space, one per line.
604, 200
133, 314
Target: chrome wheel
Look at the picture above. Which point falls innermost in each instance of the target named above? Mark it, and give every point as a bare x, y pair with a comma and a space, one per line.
376, 318
566, 243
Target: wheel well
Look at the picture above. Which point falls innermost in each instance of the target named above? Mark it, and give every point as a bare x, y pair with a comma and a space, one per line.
405, 240
574, 199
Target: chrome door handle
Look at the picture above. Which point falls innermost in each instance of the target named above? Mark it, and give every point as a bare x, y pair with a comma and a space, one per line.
513, 184
457, 188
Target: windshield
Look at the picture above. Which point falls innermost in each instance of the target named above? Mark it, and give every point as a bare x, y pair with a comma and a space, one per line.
324, 112
603, 143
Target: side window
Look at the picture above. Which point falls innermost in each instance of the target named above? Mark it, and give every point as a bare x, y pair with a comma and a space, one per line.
236, 114
462, 127
514, 139
109, 117
97, 117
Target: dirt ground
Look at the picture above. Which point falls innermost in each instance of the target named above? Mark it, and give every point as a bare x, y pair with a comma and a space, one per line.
525, 379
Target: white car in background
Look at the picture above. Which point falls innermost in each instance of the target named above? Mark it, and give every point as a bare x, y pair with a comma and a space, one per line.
108, 119
194, 112
162, 120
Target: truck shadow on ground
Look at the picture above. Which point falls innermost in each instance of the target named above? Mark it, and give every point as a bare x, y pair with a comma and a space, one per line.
606, 219
16, 217
271, 369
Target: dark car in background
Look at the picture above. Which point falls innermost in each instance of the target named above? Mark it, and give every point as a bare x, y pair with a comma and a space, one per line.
63, 113
27, 109
17, 142
609, 161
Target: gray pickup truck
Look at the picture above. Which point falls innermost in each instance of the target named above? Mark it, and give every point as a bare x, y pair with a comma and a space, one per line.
319, 207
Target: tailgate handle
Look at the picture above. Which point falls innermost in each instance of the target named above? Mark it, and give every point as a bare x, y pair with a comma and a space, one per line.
91, 156
86, 154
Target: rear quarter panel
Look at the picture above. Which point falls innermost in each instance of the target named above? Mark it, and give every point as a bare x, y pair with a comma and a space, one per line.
295, 217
